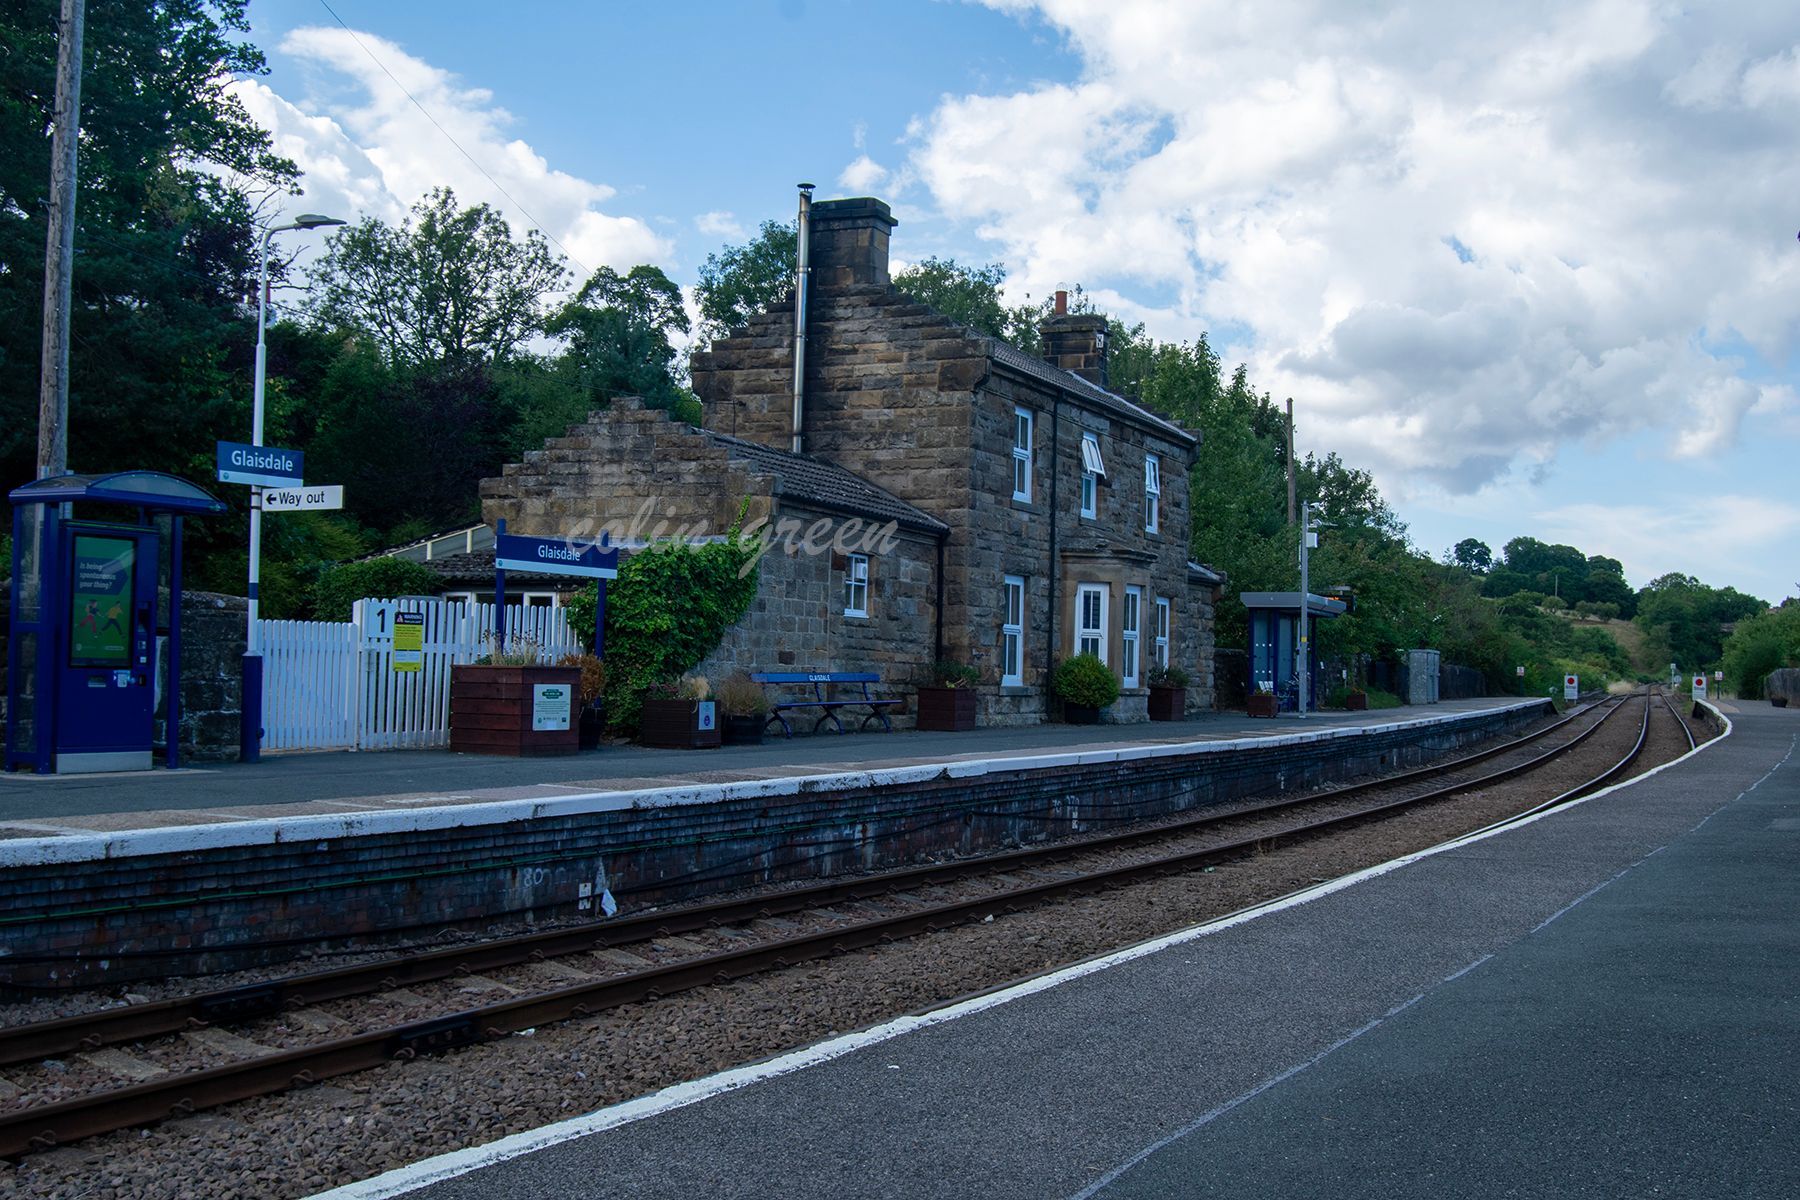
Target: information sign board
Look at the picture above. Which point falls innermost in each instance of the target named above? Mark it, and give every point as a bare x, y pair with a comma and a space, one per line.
409, 641
1571, 687
1699, 687
550, 706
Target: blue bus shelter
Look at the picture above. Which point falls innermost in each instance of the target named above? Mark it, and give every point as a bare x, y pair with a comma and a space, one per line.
96, 602
1275, 641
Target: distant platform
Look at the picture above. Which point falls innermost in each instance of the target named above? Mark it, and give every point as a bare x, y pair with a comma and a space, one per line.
337, 783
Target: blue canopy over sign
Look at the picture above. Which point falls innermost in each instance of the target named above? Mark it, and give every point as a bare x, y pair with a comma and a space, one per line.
556, 556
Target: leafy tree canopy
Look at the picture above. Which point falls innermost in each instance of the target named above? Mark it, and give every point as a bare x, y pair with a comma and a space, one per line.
449, 287
1473, 556
740, 281
618, 331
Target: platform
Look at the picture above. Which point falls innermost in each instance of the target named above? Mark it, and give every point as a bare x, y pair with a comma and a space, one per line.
340, 782
1598, 1003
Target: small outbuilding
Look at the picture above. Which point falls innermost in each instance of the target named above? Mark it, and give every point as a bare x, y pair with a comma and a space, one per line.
1275, 642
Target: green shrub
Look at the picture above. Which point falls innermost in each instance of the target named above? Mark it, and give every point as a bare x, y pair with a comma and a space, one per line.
375, 578
1086, 681
1170, 676
669, 608
949, 674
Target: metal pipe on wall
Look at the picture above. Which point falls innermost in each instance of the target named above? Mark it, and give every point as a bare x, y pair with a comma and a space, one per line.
802, 268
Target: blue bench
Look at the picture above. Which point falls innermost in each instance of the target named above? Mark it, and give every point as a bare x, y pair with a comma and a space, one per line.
823, 700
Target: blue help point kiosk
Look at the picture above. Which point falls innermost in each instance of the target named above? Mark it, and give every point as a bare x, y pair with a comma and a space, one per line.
88, 611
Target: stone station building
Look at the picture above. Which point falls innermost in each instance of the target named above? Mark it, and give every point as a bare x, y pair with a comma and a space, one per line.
946, 495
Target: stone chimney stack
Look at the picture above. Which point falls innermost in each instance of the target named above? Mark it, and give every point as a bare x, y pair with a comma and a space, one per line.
850, 242
1075, 341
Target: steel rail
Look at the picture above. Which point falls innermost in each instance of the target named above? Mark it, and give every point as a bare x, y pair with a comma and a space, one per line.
225, 1006
45, 1126
1693, 743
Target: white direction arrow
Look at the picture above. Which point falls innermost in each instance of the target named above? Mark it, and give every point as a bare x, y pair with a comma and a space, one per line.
300, 499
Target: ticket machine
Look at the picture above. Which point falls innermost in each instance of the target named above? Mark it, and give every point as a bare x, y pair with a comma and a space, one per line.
92, 602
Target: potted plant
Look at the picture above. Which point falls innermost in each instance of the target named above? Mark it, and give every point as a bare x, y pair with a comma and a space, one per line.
1356, 700
947, 697
680, 714
1085, 685
1168, 693
591, 689
1261, 702
507, 702
746, 709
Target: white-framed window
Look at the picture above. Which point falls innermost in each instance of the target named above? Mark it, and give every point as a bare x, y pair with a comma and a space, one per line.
1130, 623
1012, 632
1021, 454
1162, 632
513, 599
1092, 469
1090, 619
856, 585
1152, 493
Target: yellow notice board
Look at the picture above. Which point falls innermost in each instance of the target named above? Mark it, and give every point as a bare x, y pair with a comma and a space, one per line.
409, 641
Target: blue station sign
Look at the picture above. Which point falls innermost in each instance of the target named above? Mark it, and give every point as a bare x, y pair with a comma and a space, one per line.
270, 466
556, 556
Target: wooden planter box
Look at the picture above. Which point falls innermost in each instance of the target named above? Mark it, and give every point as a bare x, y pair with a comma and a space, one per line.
1357, 701
1261, 704
680, 724
745, 730
1168, 703
1080, 714
950, 710
515, 710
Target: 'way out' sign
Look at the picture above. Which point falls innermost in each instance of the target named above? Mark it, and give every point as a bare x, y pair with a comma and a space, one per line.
303, 499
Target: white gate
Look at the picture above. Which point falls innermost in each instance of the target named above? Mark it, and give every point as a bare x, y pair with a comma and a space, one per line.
331, 684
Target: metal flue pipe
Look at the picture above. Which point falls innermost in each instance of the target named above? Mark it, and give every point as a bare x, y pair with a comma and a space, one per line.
802, 269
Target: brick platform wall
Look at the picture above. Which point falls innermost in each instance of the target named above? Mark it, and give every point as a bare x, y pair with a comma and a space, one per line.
252, 904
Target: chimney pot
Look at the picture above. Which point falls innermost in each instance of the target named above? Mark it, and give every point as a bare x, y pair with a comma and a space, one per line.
1062, 303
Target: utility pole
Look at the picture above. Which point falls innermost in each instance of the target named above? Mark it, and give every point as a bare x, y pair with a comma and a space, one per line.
1290, 459
59, 250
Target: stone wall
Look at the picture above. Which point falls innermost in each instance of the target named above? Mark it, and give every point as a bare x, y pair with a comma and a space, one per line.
798, 620
212, 677
605, 472
629, 469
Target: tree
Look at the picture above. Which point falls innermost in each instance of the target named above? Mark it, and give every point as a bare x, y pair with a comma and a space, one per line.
740, 281
618, 330
1473, 556
970, 295
450, 286
171, 167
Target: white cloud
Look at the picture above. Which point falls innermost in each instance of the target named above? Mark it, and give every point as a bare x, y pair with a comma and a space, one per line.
1707, 536
721, 225
1298, 178
863, 175
369, 150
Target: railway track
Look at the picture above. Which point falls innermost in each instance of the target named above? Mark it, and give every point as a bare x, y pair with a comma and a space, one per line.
45, 1125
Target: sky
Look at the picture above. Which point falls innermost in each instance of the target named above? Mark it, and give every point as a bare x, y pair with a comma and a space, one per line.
1533, 265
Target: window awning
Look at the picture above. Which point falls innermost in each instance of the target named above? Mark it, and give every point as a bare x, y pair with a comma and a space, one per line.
1090, 455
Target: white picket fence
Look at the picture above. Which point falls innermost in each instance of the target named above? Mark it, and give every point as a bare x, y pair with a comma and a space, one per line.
332, 684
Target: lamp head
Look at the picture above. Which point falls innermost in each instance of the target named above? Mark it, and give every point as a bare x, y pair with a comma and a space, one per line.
315, 221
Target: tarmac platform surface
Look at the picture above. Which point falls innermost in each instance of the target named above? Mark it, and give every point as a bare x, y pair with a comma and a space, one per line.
338, 782
1600, 1003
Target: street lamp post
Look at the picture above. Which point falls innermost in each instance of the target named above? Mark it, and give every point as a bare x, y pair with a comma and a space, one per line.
250, 728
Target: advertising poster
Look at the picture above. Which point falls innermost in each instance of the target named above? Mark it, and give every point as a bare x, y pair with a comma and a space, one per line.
100, 601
